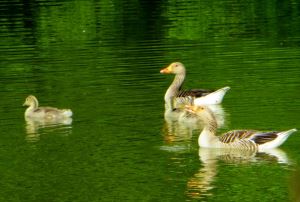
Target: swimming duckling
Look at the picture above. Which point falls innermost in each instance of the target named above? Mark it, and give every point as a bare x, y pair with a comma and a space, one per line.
36, 112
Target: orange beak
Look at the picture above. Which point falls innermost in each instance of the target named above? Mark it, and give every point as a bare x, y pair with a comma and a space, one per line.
165, 71
190, 108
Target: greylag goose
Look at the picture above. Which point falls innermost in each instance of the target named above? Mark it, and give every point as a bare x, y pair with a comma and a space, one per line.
175, 95
239, 139
34, 111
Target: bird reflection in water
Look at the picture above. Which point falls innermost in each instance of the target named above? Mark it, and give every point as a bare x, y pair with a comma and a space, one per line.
294, 185
35, 127
179, 126
200, 184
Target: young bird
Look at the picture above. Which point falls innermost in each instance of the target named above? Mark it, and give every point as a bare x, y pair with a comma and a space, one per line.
36, 112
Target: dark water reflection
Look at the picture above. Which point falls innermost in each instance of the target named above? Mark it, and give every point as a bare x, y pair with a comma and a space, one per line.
102, 60
201, 184
36, 127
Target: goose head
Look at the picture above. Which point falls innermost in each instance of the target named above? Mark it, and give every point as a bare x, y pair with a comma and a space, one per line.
203, 112
198, 110
31, 101
174, 68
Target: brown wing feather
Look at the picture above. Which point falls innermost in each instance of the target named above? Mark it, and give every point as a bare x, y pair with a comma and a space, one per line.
256, 137
234, 135
194, 92
265, 137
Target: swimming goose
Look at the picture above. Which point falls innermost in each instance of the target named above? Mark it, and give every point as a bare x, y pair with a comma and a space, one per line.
36, 112
175, 95
239, 139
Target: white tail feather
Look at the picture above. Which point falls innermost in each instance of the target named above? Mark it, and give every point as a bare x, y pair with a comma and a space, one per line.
212, 98
67, 113
282, 137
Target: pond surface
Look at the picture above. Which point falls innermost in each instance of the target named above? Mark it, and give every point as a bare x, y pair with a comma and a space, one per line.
102, 59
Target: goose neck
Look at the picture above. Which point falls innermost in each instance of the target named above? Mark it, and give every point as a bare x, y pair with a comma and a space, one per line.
34, 104
207, 137
178, 81
174, 87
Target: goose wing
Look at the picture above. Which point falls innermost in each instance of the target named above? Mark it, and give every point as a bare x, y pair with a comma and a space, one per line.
262, 138
46, 109
185, 97
194, 93
237, 135
249, 135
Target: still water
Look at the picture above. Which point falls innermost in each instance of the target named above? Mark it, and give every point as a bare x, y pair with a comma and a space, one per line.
102, 60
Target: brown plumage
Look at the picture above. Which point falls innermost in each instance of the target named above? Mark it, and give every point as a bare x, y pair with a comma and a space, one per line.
234, 135
194, 93
239, 139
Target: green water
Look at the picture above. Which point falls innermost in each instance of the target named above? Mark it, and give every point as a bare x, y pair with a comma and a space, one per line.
102, 60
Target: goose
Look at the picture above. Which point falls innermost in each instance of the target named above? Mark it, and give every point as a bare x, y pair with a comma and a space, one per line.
35, 112
236, 139
175, 95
